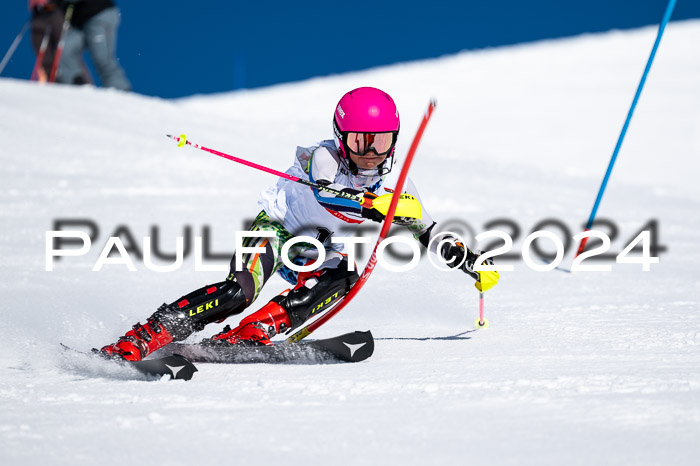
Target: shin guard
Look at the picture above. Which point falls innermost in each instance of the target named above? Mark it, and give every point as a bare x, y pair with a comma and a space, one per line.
178, 320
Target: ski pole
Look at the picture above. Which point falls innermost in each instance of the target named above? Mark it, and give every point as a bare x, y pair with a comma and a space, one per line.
367, 203
61, 43
369, 268
481, 322
36, 75
14, 45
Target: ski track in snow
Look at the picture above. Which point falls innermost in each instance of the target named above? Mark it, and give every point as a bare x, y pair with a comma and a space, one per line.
586, 368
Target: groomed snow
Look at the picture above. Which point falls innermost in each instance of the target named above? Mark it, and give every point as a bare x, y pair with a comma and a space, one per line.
587, 368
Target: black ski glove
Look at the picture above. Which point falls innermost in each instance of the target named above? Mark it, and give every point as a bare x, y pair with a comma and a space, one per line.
456, 252
371, 213
485, 280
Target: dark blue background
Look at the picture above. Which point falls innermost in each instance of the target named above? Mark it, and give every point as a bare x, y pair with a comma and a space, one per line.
178, 48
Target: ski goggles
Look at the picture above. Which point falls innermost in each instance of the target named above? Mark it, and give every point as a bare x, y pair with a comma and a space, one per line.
362, 143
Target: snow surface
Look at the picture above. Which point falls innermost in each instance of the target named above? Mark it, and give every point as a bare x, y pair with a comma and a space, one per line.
587, 368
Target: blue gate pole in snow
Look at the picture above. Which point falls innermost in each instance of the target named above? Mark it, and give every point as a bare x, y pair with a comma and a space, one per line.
662, 26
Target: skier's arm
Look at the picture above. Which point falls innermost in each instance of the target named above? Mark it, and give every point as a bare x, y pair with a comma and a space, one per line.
450, 249
457, 254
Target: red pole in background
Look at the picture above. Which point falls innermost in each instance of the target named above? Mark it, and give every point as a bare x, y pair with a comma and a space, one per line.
61, 43
36, 74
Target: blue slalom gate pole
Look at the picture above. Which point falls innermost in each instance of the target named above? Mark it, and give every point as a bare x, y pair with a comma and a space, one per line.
662, 26
14, 45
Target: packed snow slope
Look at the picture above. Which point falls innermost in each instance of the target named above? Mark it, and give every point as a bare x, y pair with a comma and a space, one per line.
586, 368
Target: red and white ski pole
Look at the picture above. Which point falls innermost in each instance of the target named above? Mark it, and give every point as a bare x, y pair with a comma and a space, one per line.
61, 43
481, 322
36, 74
342, 302
183, 141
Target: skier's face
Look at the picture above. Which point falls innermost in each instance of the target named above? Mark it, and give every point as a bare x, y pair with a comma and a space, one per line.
369, 160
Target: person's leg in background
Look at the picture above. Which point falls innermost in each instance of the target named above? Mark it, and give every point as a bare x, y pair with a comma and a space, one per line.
101, 39
70, 67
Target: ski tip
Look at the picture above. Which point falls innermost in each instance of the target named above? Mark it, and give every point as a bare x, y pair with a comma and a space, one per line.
186, 372
176, 366
352, 347
70, 349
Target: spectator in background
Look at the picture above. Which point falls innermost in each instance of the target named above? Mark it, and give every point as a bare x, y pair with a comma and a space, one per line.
47, 21
94, 27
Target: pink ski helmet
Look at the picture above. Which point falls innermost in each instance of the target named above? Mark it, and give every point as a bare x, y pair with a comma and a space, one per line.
366, 119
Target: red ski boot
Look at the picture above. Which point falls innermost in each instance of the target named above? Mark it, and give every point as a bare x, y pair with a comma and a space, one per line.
139, 342
257, 328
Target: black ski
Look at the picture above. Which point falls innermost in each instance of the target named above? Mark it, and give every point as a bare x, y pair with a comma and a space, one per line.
351, 347
175, 365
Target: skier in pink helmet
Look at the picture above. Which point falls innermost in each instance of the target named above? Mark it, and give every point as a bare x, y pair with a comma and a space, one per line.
359, 160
